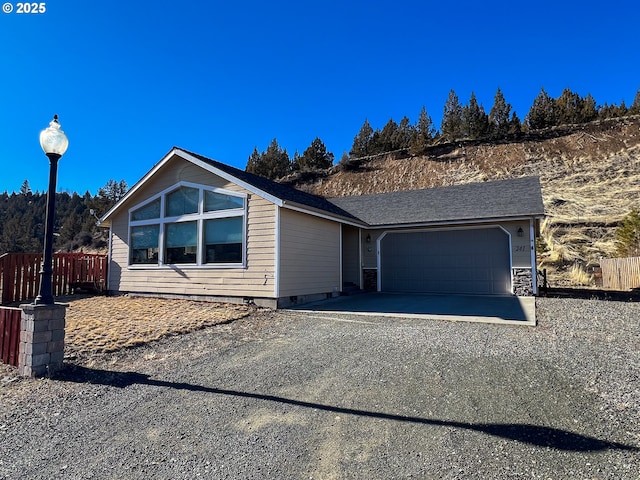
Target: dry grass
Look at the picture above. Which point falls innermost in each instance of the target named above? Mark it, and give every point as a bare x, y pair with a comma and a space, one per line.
107, 324
579, 276
590, 180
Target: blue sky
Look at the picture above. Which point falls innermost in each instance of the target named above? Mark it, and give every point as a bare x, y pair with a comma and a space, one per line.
130, 80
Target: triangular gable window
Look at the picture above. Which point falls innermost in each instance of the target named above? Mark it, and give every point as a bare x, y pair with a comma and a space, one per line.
189, 225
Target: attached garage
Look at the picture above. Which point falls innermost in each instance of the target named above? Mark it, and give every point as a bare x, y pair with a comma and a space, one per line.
475, 238
462, 261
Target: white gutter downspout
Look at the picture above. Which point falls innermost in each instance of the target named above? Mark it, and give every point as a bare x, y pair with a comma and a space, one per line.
341, 284
110, 254
276, 268
534, 269
360, 262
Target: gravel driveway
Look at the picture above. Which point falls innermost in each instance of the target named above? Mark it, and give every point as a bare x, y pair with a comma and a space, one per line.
282, 395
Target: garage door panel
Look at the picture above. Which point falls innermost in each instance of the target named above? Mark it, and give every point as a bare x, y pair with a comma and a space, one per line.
446, 261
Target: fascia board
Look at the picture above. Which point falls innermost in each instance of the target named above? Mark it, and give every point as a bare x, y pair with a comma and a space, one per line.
322, 214
454, 222
184, 155
138, 185
230, 178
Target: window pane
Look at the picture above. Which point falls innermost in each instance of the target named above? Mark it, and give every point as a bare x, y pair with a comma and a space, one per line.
144, 244
151, 210
181, 240
223, 240
182, 201
219, 201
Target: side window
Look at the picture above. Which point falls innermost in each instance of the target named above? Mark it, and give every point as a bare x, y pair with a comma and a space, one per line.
223, 240
144, 244
181, 243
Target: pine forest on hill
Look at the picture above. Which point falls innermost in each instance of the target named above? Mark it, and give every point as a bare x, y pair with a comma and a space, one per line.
587, 157
590, 177
23, 216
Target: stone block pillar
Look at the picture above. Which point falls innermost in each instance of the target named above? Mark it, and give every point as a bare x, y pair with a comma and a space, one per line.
523, 282
41, 339
370, 279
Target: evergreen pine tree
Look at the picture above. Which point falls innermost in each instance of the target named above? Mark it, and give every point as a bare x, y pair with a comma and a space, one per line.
423, 133
515, 125
387, 136
276, 160
253, 162
634, 109
273, 163
588, 109
607, 111
25, 188
499, 122
295, 163
315, 157
568, 108
628, 235
402, 138
542, 113
451, 126
622, 109
362, 141
475, 122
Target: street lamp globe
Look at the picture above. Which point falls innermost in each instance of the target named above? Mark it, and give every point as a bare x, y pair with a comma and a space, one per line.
54, 143
53, 140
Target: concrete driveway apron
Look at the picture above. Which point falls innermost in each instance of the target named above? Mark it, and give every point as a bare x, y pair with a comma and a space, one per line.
470, 308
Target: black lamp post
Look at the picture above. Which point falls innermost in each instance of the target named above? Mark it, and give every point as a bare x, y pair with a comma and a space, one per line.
54, 143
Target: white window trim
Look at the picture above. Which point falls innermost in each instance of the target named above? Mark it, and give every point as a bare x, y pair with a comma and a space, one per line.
198, 217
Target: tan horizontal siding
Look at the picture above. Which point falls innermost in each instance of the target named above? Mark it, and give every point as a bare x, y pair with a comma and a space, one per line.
350, 255
257, 279
309, 254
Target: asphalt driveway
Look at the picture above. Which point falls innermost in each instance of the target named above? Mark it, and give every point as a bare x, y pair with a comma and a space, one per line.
471, 308
320, 395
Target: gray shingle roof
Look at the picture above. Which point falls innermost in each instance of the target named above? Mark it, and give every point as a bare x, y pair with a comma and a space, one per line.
283, 192
474, 201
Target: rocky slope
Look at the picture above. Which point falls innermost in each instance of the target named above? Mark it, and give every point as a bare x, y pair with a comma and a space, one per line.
590, 177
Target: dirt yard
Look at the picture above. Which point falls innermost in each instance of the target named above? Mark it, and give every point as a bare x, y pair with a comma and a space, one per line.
98, 324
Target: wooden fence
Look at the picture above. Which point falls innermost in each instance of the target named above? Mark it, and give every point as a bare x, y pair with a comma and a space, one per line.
10, 334
20, 274
620, 273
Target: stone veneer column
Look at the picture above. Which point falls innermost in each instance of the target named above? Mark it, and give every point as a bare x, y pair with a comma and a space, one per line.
522, 282
41, 339
370, 279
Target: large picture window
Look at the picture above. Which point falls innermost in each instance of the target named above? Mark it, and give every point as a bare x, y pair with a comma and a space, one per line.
189, 225
223, 240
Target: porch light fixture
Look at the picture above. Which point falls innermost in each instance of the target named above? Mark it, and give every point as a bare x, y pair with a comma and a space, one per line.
520, 232
54, 143
368, 238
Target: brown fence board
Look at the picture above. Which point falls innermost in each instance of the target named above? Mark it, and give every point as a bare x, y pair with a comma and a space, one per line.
10, 335
20, 274
620, 273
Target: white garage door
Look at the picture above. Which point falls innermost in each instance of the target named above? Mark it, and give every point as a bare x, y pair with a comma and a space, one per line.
473, 261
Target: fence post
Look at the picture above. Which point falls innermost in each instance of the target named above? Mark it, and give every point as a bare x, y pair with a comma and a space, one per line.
41, 339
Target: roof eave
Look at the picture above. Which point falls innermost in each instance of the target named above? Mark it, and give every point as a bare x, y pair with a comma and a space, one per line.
324, 214
463, 221
104, 220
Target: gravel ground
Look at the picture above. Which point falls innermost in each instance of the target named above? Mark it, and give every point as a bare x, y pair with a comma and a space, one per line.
324, 396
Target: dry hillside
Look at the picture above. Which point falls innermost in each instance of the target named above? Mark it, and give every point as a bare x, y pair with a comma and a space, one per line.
590, 177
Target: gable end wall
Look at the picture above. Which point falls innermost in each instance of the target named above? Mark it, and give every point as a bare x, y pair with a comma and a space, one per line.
254, 281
